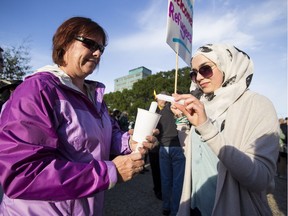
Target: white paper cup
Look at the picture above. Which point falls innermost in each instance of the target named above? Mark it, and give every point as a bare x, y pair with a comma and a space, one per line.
146, 121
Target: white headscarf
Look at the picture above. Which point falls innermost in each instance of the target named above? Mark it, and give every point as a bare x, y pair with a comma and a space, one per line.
237, 68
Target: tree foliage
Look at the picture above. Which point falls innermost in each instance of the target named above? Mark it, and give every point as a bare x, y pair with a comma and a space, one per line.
16, 62
142, 93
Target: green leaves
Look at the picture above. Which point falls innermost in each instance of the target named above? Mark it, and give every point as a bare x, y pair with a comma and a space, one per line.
16, 62
142, 93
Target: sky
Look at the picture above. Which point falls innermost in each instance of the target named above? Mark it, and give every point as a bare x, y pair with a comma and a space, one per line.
137, 35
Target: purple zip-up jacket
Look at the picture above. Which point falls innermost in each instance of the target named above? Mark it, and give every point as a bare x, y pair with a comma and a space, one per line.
54, 149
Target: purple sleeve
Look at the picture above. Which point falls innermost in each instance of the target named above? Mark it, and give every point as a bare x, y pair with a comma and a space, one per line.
31, 165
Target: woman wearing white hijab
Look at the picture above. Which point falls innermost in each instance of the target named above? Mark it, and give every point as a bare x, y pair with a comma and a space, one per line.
234, 138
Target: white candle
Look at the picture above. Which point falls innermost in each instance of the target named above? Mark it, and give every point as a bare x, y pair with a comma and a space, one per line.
168, 98
153, 106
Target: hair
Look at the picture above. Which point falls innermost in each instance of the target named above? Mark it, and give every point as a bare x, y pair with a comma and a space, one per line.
165, 93
68, 30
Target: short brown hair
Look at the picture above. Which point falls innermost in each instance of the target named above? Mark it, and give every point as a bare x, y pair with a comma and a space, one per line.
71, 28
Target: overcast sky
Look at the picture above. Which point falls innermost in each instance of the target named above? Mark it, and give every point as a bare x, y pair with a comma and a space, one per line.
137, 35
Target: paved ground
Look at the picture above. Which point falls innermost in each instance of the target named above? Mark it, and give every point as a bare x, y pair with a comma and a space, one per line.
136, 198
133, 198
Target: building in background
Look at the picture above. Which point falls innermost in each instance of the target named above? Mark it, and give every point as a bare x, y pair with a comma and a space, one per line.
126, 82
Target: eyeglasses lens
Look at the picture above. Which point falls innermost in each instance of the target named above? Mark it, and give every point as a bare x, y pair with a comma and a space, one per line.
90, 44
205, 71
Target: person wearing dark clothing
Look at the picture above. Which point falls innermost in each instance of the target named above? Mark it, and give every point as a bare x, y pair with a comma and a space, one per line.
283, 127
6, 89
154, 161
172, 161
155, 169
123, 121
282, 158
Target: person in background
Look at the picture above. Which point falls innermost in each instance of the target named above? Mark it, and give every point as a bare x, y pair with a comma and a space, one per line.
282, 158
1, 60
6, 89
124, 121
154, 160
183, 127
234, 136
171, 158
115, 115
56, 134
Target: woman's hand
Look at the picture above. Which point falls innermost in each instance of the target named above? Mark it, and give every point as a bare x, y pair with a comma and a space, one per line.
128, 166
193, 108
146, 145
152, 141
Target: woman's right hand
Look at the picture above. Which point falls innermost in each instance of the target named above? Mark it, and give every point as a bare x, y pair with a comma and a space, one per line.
193, 108
128, 166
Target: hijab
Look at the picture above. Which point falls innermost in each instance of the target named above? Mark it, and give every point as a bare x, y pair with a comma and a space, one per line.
237, 69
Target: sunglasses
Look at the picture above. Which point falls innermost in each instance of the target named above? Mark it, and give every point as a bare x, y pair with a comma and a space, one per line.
90, 44
206, 71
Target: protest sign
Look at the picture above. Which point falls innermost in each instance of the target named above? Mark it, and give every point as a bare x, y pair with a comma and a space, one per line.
179, 28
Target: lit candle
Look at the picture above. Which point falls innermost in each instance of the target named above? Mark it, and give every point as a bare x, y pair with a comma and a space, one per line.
168, 98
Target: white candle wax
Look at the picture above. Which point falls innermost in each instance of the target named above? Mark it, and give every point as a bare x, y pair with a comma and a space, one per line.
168, 98
153, 106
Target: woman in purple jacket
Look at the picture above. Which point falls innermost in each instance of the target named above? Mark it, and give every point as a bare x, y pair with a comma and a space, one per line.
56, 135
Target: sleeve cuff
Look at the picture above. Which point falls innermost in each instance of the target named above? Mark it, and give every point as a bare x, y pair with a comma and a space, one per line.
207, 130
112, 172
126, 143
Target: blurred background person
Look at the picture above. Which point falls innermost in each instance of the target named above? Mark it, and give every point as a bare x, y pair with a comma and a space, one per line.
282, 158
171, 158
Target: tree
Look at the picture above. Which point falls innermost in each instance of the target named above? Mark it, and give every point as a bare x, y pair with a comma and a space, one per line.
16, 62
142, 93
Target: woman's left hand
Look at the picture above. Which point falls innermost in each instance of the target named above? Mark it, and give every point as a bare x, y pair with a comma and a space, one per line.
151, 142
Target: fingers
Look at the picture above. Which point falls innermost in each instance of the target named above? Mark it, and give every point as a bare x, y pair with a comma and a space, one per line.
151, 143
156, 132
137, 163
193, 108
191, 103
175, 110
178, 97
136, 156
138, 170
151, 139
128, 166
131, 131
180, 107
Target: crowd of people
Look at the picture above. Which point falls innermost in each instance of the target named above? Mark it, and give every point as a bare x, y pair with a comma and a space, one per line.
61, 148
122, 119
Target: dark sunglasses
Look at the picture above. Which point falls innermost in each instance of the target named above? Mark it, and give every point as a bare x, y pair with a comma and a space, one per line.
206, 71
90, 44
